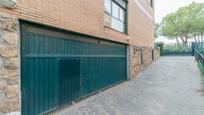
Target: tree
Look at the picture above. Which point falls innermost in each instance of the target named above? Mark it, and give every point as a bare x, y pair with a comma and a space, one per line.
197, 27
156, 32
170, 28
185, 23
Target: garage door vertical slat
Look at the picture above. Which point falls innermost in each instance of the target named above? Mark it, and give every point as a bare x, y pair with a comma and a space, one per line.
55, 83
31, 85
98, 64
37, 86
46, 83
23, 74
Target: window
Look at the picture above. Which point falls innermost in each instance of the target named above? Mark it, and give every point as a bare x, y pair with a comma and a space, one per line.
115, 14
115, 10
122, 14
108, 6
118, 25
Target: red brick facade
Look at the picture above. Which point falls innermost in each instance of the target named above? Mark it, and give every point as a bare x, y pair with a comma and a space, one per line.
83, 16
86, 16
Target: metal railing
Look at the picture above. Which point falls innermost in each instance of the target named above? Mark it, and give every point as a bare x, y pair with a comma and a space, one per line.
200, 59
177, 49
199, 56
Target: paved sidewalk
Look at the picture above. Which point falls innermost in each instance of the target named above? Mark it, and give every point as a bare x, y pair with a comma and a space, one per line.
170, 86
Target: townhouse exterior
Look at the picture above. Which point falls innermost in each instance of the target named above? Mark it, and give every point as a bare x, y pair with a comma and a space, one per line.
54, 52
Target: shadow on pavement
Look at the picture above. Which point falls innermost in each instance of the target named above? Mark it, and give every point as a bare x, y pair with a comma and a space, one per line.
202, 88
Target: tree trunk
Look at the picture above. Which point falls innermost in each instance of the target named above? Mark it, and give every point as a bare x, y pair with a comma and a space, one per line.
186, 42
201, 36
183, 41
196, 41
177, 40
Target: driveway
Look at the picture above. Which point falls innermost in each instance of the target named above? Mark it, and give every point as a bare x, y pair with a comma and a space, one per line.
170, 86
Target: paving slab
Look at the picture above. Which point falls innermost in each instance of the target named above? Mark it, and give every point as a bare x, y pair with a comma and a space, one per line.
170, 86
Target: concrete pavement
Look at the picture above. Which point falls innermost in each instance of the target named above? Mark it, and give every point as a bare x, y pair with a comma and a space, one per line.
170, 86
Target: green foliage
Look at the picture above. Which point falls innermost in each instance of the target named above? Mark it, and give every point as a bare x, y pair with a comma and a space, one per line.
168, 28
197, 22
199, 58
200, 66
184, 23
200, 47
160, 45
156, 32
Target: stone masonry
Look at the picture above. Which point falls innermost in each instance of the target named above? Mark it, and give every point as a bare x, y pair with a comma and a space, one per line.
140, 58
9, 80
147, 56
156, 54
135, 60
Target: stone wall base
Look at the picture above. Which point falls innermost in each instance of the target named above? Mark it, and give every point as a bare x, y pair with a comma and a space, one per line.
156, 54
9, 76
140, 58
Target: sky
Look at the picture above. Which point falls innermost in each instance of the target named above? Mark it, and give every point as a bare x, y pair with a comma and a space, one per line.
164, 7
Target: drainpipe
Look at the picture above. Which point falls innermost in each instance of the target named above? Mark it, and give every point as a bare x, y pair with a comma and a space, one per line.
8, 3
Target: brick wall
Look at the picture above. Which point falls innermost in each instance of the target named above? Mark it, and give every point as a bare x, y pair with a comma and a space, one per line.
87, 17
141, 27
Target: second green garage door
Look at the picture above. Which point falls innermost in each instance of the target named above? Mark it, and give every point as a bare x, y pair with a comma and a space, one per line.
59, 67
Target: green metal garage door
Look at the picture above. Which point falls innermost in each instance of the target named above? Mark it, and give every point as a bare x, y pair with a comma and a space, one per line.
58, 67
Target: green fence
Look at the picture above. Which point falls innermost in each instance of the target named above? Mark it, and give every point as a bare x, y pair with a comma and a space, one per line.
199, 46
176, 49
200, 59
199, 56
